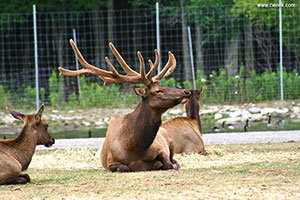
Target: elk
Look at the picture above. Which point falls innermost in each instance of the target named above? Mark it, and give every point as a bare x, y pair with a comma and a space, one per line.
16, 154
131, 142
185, 133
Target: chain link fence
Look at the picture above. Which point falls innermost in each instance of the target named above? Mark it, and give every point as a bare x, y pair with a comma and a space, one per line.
235, 51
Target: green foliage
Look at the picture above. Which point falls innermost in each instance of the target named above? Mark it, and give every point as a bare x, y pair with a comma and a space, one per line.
267, 17
219, 88
170, 82
2, 97
56, 90
17, 6
28, 100
94, 95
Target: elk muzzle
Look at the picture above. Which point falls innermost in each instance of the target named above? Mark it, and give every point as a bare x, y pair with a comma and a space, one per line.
50, 142
186, 97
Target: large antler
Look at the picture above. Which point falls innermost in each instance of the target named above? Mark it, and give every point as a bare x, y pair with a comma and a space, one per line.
113, 76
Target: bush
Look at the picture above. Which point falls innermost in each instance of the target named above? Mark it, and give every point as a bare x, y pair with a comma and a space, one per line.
56, 90
2, 97
219, 88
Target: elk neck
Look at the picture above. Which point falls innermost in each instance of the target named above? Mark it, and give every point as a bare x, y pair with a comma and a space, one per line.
145, 122
192, 108
23, 146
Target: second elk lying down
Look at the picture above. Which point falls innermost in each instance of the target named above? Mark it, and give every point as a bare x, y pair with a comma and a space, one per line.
16, 154
131, 142
185, 132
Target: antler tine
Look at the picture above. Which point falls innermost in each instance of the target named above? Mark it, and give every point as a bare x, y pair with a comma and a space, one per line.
168, 68
119, 78
153, 67
123, 64
142, 66
87, 68
172, 68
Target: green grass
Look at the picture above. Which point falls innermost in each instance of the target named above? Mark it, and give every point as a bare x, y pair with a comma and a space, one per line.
248, 171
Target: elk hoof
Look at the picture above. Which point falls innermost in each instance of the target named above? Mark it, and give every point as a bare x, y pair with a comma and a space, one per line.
176, 166
26, 176
21, 179
119, 168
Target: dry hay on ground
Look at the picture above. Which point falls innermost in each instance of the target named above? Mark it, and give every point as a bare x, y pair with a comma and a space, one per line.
249, 171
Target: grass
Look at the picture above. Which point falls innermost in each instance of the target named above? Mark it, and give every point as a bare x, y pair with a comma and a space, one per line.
248, 171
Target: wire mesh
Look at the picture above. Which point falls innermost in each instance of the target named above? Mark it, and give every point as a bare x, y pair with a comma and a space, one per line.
235, 48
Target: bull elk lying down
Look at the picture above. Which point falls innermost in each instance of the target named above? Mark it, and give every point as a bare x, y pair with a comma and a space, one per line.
131, 142
185, 132
16, 154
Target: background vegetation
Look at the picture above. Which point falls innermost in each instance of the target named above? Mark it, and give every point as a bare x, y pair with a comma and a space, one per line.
218, 88
233, 41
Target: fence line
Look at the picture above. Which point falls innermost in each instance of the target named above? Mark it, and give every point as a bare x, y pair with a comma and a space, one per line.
237, 52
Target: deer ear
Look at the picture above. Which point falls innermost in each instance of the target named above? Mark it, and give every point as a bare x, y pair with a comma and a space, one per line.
139, 91
38, 115
199, 91
16, 115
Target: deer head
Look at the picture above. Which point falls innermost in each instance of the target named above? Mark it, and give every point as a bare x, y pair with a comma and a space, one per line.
158, 97
192, 106
37, 125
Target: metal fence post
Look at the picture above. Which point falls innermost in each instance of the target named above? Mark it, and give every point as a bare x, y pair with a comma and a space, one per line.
36, 59
192, 57
158, 35
280, 51
77, 65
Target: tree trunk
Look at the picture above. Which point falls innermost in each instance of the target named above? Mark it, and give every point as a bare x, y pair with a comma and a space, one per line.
249, 54
231, 60
199, 53
186, 60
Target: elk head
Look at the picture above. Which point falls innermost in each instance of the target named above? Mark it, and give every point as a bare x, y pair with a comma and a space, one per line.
192, 106
37, 125
158, 97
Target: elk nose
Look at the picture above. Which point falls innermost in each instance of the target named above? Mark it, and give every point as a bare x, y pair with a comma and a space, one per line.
187, 92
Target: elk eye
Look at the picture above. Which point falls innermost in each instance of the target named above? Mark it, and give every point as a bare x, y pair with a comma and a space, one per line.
159, 91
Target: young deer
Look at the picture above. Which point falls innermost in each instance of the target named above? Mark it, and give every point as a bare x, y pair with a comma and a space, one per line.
131, 142
185, 132
16, 154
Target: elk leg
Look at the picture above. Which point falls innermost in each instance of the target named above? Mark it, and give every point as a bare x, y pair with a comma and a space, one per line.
164, 158
21, 179
174, 162
118, 168
10, 168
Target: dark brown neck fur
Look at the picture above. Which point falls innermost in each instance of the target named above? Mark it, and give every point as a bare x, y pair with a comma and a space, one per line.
145, 123
192, 108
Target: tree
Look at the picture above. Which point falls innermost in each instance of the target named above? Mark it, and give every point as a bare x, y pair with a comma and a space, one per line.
265, 22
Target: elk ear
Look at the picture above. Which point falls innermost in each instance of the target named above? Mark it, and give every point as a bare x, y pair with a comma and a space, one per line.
38, 115
139, 91
16, 115
199, 91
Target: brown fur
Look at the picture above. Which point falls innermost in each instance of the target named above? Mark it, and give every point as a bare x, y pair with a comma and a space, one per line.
185, 132
16, 154
132, 143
